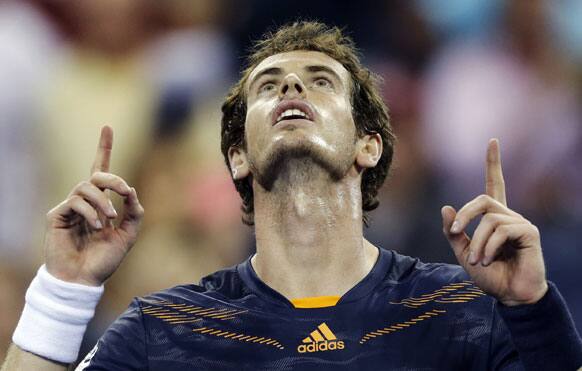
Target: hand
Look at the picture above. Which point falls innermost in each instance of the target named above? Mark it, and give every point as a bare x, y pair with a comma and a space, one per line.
82, 244
504, 257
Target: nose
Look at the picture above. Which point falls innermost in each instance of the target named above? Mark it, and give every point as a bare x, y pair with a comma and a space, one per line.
292, 87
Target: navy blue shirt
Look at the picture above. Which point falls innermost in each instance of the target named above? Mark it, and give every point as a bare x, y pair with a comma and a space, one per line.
404, 315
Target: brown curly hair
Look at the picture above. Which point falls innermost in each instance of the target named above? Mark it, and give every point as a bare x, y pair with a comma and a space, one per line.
369, 111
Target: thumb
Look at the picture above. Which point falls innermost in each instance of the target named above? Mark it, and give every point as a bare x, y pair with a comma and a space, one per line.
458, 241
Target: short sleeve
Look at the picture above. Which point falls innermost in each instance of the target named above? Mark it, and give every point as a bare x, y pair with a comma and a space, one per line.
122, 347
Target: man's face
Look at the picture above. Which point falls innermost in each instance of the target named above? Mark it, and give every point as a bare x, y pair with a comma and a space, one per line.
299, 107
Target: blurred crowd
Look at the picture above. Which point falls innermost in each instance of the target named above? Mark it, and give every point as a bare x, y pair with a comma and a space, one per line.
456, 73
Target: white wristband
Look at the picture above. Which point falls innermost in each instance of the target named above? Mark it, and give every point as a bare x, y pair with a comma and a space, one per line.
55, 317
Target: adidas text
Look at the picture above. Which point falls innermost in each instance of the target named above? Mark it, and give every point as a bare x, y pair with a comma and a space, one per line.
320, 346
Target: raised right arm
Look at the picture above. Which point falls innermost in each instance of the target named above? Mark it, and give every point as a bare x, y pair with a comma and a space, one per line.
85, 242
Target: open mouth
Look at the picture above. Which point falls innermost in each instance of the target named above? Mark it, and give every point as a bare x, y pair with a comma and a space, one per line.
291, 114
294, 109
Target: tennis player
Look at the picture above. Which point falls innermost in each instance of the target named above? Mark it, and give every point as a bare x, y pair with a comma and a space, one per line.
308, 142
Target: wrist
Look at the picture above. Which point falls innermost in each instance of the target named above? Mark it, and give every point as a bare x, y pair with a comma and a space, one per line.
533, 298
55, 317
74, 280
69, 274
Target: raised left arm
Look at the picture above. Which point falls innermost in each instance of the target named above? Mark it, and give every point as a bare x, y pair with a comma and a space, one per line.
504, 258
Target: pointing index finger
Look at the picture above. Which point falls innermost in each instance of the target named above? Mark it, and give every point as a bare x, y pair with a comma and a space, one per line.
103, 155
494, 183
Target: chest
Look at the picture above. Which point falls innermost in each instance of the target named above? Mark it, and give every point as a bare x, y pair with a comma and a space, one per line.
366, 337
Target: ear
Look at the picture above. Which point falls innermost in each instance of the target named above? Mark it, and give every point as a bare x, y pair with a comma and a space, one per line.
239, 164
369, 150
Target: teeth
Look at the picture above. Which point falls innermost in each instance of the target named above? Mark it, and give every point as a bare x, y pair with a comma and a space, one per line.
291, 112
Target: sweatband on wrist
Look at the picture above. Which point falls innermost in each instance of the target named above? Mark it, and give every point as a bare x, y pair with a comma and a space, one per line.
55, 317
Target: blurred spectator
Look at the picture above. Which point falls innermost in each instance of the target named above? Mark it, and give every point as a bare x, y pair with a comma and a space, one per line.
28, 48
510, 89
566, 26
100, 81
461, 18
189, 60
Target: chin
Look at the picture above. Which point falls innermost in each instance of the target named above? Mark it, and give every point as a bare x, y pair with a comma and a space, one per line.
298, 144
298, 139
299, 154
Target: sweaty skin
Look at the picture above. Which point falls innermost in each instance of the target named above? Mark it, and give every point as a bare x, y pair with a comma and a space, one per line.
306, 178
308, 225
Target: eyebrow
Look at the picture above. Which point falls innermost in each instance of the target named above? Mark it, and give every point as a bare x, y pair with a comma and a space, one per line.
320, 68
268, 71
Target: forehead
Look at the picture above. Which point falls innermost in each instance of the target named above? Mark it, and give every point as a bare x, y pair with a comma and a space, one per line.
299, 59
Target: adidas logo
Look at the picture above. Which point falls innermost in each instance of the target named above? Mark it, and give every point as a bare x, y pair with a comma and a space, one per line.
320, 340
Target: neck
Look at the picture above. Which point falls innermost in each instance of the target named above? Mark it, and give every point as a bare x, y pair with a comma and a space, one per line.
309, 236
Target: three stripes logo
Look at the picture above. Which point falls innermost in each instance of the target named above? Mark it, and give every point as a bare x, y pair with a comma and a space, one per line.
320, 340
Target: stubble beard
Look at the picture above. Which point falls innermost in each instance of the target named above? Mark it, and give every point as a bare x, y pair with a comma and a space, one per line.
293, 165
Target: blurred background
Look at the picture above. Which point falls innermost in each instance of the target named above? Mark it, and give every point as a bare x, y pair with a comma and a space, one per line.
456, 73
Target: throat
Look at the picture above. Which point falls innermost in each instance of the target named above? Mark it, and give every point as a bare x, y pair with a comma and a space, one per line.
319, 273
308, 230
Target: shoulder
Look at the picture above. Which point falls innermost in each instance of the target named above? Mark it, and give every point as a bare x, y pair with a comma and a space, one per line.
413, 284
406, 269
221, 286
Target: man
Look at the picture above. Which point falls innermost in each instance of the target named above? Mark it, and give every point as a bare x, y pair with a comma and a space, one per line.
308, 143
